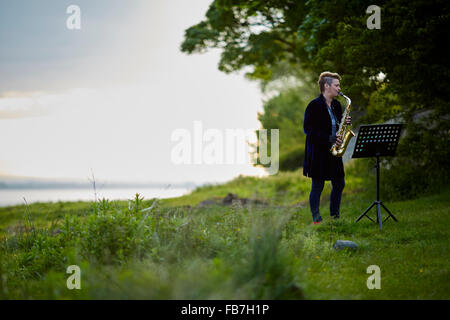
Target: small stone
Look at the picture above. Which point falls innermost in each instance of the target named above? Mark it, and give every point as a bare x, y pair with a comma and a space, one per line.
341, 244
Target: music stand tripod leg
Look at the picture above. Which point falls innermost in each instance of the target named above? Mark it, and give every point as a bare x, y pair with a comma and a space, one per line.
390, 214
364, 213
379, 214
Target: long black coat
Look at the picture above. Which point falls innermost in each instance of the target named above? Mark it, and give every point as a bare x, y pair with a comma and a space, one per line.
319, 162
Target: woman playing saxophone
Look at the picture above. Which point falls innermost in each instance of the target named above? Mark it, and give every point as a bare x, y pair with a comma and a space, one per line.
321, 124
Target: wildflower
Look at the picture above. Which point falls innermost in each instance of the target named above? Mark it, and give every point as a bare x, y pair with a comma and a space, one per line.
421, 270
317, 257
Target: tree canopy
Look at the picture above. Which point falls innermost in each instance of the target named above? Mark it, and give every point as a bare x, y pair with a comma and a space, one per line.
397, 71
332, 35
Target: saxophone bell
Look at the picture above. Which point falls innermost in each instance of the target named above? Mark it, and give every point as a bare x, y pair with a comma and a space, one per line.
345, 131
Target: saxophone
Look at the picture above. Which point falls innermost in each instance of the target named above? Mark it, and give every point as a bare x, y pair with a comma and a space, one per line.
345, 131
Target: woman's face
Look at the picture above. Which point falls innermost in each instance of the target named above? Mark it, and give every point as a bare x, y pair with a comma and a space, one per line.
333, 89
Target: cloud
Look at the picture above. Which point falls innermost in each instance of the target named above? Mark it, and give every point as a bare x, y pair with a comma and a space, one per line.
109, 96
121, 132
16, 105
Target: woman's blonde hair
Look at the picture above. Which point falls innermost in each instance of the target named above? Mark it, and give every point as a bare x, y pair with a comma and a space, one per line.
327, 77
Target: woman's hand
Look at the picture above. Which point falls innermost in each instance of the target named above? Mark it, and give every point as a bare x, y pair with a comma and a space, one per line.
338, 140
348, 120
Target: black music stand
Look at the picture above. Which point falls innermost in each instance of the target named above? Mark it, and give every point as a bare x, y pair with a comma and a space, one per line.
377, 141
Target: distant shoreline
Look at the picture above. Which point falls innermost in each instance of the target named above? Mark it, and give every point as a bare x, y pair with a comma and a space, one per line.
15, 183
14, 197
20, 186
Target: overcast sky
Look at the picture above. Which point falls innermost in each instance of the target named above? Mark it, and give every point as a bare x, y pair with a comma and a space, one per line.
109, 96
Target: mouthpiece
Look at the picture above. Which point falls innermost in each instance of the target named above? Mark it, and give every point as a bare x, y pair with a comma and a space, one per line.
340, 93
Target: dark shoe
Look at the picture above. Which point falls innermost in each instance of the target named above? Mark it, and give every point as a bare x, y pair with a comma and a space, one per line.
335, 216
319, 220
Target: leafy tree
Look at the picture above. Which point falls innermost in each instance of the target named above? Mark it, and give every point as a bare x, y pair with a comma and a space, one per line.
332, 34
284, 110
400, 70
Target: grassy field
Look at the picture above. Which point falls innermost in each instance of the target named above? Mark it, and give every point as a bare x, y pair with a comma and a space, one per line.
177, 249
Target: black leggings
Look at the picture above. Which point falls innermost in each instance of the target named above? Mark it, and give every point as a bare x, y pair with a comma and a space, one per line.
337, 186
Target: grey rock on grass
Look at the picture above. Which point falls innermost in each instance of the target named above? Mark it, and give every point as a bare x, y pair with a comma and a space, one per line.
341, 244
